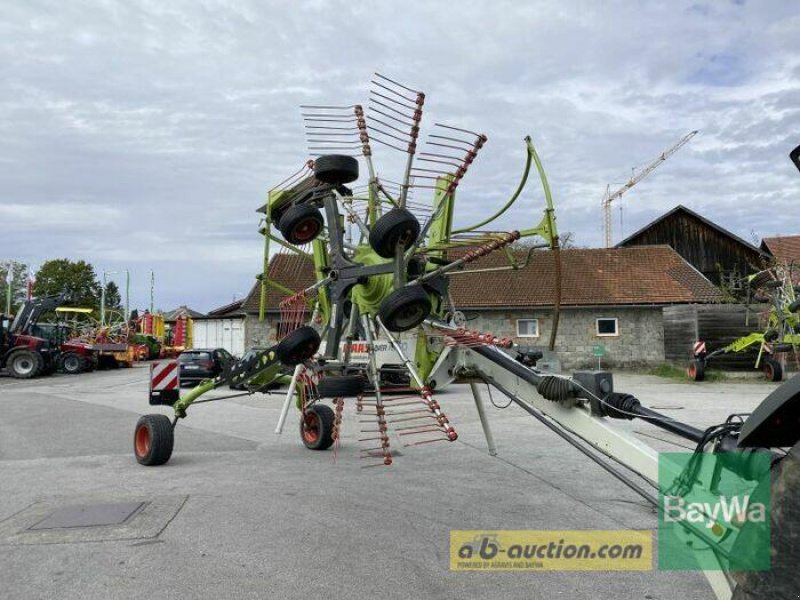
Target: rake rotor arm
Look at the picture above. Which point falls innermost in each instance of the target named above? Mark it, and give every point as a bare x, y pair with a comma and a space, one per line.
241, 372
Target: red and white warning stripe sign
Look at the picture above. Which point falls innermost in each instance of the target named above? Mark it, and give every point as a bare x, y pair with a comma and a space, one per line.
164, 375
699, 347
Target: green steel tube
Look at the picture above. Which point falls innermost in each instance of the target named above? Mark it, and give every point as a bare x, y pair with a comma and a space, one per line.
520, 187
181, 405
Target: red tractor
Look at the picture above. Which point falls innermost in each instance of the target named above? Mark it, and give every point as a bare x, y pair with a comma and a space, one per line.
25, 355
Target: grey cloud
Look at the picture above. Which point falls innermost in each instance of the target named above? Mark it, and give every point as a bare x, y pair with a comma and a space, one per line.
164, 124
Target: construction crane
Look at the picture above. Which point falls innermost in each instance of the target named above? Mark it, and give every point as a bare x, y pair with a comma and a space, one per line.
636, 178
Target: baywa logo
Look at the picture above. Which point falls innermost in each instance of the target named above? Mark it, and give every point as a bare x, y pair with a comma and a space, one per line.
714, 511
737, 510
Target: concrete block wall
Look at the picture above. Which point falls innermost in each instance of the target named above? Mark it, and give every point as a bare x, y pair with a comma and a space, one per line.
260, 333
640, 342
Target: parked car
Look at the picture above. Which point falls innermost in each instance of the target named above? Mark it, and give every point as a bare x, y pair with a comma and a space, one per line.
202, 363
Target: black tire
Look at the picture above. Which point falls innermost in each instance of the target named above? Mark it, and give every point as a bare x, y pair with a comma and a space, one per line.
70, 363
336, 169
405, 308
316, 427
782, 491
398, 226
772, 369
301, 224
24, 364
298, 346
346, 386
795, 306
771, 335
153, 440
696, 371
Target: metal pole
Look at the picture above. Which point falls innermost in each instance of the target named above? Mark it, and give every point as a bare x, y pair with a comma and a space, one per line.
103, 302
476, 393
288, 401
152, 289
127, 294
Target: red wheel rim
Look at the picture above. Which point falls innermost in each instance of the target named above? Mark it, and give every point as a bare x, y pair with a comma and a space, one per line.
768, 371
310, 430
692, 371
306, 230
142, 441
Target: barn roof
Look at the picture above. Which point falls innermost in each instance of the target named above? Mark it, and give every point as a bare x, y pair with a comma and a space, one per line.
590, 277
785, 249
687, 211
182, 311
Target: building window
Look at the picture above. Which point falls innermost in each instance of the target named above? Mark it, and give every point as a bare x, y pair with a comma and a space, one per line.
527, 327
607, 327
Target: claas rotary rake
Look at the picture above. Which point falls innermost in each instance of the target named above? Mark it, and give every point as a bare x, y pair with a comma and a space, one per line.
381, 263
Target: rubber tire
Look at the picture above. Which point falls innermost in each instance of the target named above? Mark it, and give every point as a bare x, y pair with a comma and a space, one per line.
22, 356
781, 580
696, 371
323, 417
336, 169
76, 364
296, 219
795, 306
298, 346
153, 440
394, 308
345, 386
772, 369
396, 226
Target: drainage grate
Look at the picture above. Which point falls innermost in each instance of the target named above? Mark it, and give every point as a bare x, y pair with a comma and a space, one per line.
89, 515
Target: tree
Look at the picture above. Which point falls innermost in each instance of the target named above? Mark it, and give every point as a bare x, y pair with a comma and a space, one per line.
75, 279
18, 284
113, 298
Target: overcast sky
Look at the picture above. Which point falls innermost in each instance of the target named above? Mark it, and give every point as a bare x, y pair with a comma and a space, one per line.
144, 134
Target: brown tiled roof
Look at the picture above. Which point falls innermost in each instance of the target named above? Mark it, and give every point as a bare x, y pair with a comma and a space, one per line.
289, 270
637, 275
785, 249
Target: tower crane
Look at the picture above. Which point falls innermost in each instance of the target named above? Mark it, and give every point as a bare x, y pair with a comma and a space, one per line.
636, 178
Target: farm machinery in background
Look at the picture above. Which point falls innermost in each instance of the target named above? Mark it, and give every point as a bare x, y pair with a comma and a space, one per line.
780, 331
382, 262
154, 338
22, 353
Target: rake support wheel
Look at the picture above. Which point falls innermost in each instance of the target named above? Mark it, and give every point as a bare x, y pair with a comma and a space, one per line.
300, 224
696, 371
316, 427
405, 308
772, 369
336, 169
298, 346
346, 386
398, 226
153, 440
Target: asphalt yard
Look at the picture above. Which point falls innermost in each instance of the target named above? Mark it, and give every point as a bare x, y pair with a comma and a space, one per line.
240, 512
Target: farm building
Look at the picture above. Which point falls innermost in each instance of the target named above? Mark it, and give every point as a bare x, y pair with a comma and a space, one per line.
722, 257
610, 297
785, 251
